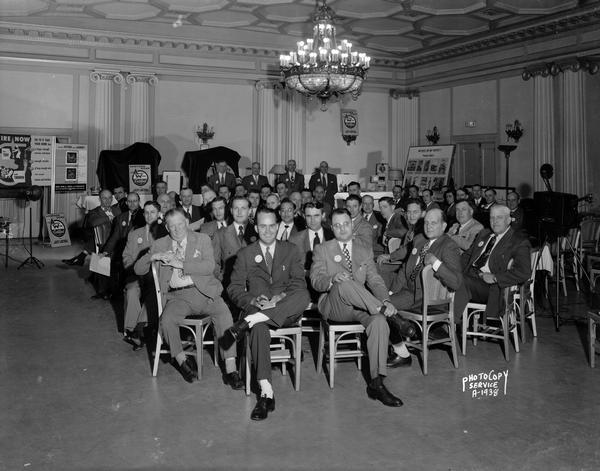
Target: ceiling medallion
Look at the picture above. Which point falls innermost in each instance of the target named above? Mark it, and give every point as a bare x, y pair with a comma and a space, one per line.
322, 68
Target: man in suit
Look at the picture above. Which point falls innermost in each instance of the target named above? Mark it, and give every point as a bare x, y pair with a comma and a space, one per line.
394, 226
434, 248
450, 206
327, 180
287, 228
477, 195
294, 181
219, 213
397, 195
497, 259
225, 193
361, 229
221, 177
121, 196
254, 199
255, 180
354, 188
138, 243
160, 189
186, 278
319, 197
165, 203
517, 215
228, 241
376, 221
464, 231
344, 271
299, 221
192, 213
265, 191
267, 284
483, 214
240, 190
427, 196
281, 190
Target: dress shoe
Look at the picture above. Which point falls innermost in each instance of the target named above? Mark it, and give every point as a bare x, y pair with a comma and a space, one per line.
77, 260
187, 370
234, 334
377, 390
396, 361
233, 379
405, 328
262, 408
135, 342
105, 296
438, 332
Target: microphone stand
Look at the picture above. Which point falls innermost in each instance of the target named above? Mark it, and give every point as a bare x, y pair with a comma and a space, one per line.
31, 260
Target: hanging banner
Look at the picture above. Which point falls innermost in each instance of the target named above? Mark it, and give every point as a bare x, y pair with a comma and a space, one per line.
15, 161
428, 166
57, 229
42, 160
349, 121
139, 179
70, 167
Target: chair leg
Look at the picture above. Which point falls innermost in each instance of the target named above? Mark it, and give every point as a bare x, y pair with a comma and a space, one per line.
453, 342
248, 369
505, 337
522, 305
516, 339
321, 349
215, 346
198, 337
465, 320
592, 341
157, 353
331, 356
533, 324
425, 346
475, 328
298, 360
359, 359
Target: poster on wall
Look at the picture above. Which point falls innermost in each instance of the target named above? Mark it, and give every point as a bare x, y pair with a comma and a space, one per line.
42, 160
71, 168
15, 161
140, 180
428, 166
57, 229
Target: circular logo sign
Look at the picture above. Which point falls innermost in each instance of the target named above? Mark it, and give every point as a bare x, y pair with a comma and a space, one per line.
57, 228
349, 121
139, 177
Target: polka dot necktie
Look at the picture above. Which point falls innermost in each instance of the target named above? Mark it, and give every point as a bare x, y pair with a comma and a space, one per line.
420, 261
346, 253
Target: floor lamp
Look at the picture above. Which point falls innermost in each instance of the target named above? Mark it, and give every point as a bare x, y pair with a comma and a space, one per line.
33, 193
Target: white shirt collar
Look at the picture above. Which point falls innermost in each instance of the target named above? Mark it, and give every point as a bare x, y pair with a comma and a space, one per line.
348, 245
263, 248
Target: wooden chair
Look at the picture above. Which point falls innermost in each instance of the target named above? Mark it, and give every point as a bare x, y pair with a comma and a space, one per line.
438, 308
311, 319
344, 341
197, 325
568, 243
507, 323
524, 299
286, 347
593, 322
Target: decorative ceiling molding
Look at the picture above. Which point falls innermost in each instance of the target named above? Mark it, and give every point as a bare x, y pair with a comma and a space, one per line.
574, 64
409, 93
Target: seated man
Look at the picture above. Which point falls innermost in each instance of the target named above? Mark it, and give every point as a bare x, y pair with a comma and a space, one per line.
361, 229
267, 284
138, 244
464, 231
272, 201
376, 221
193, 213
517, 215
497, 259
287, 228
437, 249
254, 199
186, 278
219, 214
343, 270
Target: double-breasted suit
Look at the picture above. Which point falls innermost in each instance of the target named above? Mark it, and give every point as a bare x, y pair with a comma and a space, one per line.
251, 278
359, 299
509, 261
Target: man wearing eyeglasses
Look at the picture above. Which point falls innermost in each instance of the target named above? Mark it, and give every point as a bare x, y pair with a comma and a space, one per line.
344, 271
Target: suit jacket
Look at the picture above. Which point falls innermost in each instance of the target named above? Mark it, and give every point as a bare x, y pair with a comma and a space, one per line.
292, 229
97, 217
213, 181
395, 227
408, 241
409, 293
513, 246
482, 213
330, 189
250, 184
199, 264
138, 240
302, 240
251, 278
466, 234
226, 245
121, 226
197, 213
296, 185
377, 224
329, 260
432, 205
363, 231
210, 228
518, 219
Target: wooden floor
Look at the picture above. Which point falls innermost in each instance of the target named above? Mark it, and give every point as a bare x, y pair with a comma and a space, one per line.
73, 396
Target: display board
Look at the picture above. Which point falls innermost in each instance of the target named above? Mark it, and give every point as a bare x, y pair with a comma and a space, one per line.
428, 166
70, 163
15, 161
140, 179
57, 229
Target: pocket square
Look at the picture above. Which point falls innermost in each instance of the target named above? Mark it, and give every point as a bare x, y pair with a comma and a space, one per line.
196, 253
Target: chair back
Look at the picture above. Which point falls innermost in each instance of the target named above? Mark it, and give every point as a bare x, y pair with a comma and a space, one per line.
535, 259
590, 231
394, 244
573, 237
434, 292
101, 235
155, 273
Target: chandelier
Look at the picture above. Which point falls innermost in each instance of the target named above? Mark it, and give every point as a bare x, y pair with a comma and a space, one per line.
321, 67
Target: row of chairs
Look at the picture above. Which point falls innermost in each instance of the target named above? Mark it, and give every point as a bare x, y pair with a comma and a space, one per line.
339, 341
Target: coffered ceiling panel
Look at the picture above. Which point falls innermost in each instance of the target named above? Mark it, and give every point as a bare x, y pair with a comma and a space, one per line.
125, 10
448, 7
22, 7
192, 6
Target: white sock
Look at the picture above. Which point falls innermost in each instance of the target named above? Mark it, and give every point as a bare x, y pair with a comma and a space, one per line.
401, 350
265, 388
255, 318
230, 365
180, 358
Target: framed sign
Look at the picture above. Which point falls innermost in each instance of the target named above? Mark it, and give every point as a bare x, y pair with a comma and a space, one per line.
349, 121
428, 166
140, 180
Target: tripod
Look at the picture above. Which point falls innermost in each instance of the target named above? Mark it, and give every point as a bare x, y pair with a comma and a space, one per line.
31, 260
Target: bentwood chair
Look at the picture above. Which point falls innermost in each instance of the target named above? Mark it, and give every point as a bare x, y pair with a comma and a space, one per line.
524, 299
437, 308
197, 325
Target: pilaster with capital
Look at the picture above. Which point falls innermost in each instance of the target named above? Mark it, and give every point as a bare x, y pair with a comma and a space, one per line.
140, 105
269, 114
543, 127
404, 107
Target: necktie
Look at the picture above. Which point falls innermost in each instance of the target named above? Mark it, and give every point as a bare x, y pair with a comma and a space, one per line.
419, 265
457, 230
316, 240
109, 214
241, 233
256, 179
325, 180
292, 178
269, 259
346, 253
284, 235
222, 178
483, 258
180, 254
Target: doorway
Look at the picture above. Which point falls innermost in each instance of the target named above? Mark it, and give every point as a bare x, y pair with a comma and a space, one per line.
476, 160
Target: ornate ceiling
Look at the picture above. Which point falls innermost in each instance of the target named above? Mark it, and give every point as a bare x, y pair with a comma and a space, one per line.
408, 31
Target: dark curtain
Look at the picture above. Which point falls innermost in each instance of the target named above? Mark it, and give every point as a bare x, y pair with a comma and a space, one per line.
113, 165
196, 163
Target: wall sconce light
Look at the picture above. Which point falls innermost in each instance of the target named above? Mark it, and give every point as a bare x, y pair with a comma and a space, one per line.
432, 136
514, 131
204, 134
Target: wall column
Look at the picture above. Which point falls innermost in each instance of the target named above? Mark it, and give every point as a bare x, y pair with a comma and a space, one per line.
140, 106
574, 148
269, 125
404, 125
543, 128
295, 129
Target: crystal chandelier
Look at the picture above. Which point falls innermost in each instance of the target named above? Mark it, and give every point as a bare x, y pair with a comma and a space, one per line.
322, 68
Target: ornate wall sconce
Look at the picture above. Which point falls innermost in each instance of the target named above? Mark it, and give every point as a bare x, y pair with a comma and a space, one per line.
432, 136
204, 134
514, 131
349, 121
